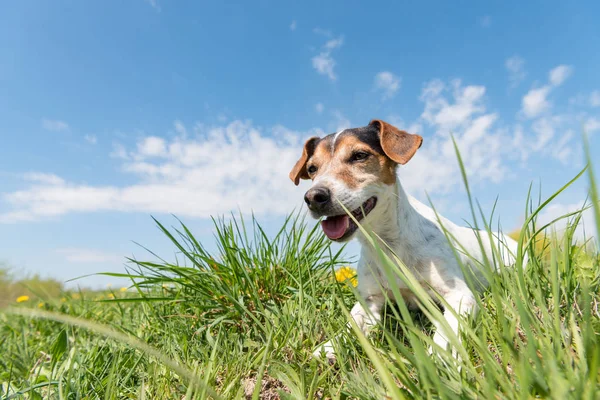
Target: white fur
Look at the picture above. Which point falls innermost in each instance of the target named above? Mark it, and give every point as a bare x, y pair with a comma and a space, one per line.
335, 138
412, 231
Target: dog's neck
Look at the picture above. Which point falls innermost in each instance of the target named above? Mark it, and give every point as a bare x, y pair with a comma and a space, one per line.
396, 221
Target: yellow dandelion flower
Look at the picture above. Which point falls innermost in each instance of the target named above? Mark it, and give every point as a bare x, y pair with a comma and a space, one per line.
123, 289
21, 299
346, 274
110, 296
40, 304
63, 299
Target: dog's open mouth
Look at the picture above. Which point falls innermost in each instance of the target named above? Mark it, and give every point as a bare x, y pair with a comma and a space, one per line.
339, 227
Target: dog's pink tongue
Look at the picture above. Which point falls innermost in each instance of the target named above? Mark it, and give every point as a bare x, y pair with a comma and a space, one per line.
335, 227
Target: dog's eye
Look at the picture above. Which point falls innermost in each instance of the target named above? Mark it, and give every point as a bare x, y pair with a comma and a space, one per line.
359, 156
312, 169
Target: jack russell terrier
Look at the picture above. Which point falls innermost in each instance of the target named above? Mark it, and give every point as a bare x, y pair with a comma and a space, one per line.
356, 168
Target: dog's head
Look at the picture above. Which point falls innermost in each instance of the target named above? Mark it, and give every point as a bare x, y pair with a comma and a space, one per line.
354, 168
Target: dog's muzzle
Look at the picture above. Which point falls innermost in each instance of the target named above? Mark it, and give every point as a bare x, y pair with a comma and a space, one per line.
341, 227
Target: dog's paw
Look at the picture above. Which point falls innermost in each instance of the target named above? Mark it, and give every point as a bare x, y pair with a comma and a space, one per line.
327, 351
441, 342
430, 350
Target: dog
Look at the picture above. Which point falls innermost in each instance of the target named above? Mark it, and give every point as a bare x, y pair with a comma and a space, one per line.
355, 170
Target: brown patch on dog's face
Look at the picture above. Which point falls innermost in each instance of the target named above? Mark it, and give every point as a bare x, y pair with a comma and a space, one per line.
299, 170
357, 156
351, 160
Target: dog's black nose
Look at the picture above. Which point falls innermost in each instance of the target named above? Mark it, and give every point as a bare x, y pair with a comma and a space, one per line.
317, 197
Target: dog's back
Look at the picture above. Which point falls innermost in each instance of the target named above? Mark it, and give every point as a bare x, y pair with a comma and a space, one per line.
469, 243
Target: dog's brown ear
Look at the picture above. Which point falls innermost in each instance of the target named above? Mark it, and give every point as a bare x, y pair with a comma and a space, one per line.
299, 170
399, 146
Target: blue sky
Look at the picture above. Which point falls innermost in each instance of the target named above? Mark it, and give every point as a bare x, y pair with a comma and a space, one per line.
114, 111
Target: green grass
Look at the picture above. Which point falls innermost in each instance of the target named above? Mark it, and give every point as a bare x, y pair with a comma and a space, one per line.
34, 287
242, 323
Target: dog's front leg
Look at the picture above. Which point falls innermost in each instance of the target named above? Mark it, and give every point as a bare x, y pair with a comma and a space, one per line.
462, 302
365, 317
368, 316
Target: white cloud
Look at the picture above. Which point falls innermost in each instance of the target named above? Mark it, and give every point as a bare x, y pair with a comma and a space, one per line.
580, 100
79, 255
562, 151
324, 65
54, 125
91, 139
458, 110
519, 143
559, 74
550, 135
334, 43
448, 116
152, 146
180, 128
586, 228
38, 177
319, 108
544, 129
488, 147
221, 169
324, 62
591, 125
388, 83
535, 102
293, 26
119, 151
203, 170
516, 68
553, 132
595, 98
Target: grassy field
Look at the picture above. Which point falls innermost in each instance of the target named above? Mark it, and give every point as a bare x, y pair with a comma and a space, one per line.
30, 288
243, 322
